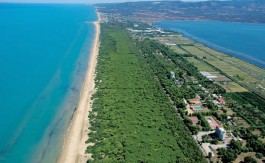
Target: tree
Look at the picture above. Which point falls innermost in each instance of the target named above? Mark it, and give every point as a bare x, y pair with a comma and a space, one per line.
236, 145
259, 155
214, 141
249, 159
229, 156
221, 151
210, 155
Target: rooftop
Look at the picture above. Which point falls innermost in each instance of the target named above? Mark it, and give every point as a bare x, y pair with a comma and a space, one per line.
212, 122
208, 75
221, 128
194, 119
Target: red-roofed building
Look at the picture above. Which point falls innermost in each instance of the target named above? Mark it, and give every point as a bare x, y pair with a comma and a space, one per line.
212, 122
194, 120
195, 101
221, 100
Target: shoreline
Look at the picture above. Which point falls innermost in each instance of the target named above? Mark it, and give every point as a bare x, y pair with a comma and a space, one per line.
232, 53
238, 55
74, 145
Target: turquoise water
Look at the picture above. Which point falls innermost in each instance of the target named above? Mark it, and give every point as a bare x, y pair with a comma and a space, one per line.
198, 107
241, 40
44, 52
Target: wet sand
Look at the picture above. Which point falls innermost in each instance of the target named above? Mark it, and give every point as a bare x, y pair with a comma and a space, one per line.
74, 142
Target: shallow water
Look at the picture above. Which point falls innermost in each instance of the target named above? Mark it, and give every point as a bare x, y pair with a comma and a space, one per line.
44, 53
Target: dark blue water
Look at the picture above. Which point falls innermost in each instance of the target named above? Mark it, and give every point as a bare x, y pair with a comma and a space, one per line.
241, 40
44, 51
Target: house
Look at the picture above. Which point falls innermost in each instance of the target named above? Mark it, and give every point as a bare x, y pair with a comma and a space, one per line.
212, 122
196, 104
220, 132
195, 101
194, 120
215, 96
221, 100
179, 83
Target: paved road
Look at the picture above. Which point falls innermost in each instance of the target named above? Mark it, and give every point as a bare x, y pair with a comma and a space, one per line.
198, 137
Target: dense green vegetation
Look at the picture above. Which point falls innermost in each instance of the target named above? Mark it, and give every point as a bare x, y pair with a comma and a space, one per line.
230, 154
247, 106
253, 143
139, 112
182, 66
249, 159
132, 118
162, 60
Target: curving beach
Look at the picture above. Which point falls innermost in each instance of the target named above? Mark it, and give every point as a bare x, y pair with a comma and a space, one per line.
74, 142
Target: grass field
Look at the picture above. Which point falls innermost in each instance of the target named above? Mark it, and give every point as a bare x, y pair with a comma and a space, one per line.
234, 87
211, 51
178, 50
132, 118
179, 39
195, 51
202, 66
249, 75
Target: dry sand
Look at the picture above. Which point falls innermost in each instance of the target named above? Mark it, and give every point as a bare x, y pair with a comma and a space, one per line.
74, 142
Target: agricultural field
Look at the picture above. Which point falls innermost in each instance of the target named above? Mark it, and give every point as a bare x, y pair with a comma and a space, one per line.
202, 66
180, 40
178, 50
234, 87
234, 75
211, 51
248, 75
194, 51
132, 118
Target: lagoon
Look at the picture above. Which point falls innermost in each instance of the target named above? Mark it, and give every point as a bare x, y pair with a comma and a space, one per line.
242, 40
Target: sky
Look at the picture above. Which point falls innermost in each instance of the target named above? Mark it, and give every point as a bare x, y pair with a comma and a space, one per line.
72, 1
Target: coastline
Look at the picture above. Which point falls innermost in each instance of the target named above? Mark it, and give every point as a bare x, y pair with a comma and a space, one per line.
238, 55
74, 146
232, 53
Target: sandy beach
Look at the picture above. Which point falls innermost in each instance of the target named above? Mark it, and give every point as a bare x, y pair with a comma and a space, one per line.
74, 142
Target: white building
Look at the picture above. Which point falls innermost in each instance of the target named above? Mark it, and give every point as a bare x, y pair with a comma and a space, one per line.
208, 75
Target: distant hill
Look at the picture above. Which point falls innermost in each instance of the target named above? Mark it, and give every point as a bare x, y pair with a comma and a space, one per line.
251, 11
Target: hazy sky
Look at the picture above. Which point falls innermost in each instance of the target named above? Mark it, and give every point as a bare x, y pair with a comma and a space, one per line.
73, 1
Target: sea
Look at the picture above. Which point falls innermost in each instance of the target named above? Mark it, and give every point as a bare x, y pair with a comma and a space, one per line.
241, 40
44, 53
